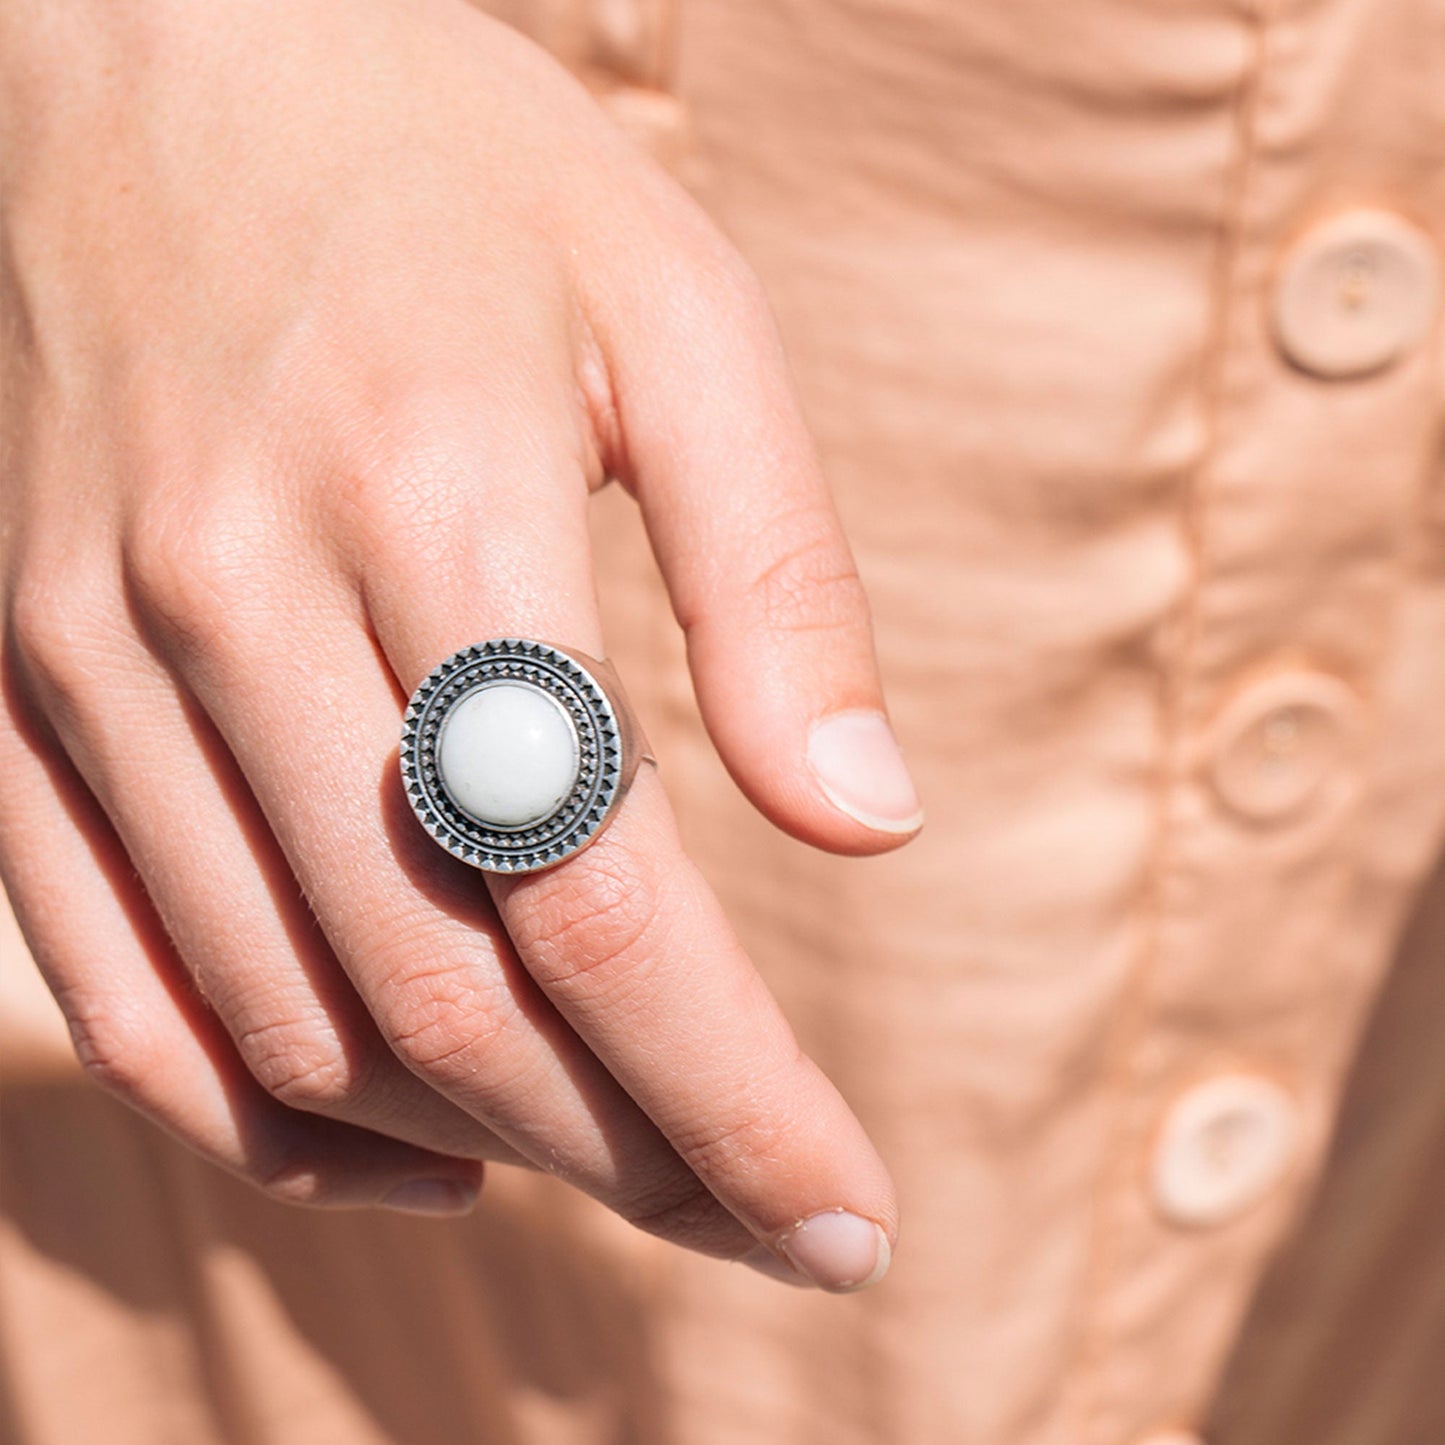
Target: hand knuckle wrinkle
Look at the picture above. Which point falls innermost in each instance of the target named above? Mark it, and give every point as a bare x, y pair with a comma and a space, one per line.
602, 927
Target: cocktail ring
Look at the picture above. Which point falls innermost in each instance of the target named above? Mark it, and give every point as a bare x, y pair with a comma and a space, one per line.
516, 754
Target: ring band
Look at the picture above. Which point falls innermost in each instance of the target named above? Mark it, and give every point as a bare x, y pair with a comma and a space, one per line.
516, 754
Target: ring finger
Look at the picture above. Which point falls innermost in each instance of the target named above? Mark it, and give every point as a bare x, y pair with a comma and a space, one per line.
211, 867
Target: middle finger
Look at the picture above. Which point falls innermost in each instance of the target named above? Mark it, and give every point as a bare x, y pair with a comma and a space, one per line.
626, 939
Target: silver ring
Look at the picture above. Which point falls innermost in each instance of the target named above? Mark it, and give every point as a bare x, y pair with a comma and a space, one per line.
516, 754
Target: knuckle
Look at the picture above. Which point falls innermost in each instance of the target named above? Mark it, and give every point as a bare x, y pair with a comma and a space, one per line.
438, 1022
113, 1048
750, 1133
595, 928
699, 282
716, 271
426, 539
406, 484
197, 571
64, 633
304, 1067
810, 584
719, 293
743, 296
762, 1124
682, 1210
297, 1180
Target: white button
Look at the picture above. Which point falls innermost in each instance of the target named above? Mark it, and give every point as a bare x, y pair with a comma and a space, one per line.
507, 754
1224, 1145
1285, 745
1355, 294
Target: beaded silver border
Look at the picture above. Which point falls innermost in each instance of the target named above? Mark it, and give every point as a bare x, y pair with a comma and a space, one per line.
601, 733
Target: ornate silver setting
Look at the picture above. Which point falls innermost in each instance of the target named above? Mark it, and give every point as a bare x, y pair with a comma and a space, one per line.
610, 746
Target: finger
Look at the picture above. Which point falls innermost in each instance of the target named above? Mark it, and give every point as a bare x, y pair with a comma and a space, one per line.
143, 1034
760, 574
313, 715
628, 942
233, 912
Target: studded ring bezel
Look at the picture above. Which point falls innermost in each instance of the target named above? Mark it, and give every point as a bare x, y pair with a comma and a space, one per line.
577, 819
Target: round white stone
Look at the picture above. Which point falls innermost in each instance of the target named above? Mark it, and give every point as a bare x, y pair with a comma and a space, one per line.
507, 754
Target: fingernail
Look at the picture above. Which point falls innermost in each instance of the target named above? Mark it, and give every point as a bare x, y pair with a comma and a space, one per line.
838, 1251
856, 759
765, 1261
431, 1196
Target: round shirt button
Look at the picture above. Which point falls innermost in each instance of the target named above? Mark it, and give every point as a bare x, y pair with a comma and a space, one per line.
1283, 745
1355, 294
1224, 1145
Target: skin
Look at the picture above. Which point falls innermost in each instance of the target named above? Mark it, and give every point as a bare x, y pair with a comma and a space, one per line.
321, 322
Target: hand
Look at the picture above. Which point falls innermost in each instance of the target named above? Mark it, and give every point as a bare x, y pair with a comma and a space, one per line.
321, 322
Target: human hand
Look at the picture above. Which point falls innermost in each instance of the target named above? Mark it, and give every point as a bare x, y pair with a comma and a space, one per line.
321, 323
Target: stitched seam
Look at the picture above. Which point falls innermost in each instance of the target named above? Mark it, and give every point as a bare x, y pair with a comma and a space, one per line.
1118, 1167
669, 32
650, 64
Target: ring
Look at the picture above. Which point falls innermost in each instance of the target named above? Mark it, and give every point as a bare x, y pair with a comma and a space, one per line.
516, 754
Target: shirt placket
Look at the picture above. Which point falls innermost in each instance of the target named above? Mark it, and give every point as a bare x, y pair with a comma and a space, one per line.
1232, 1046
630, 64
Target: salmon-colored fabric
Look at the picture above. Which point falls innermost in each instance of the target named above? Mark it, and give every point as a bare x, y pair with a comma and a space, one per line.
1116, 321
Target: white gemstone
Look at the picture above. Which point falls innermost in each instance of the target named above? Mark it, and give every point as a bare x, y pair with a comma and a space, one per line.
507, 754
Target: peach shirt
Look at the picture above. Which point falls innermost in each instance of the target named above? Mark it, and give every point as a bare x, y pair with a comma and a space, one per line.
1116, 323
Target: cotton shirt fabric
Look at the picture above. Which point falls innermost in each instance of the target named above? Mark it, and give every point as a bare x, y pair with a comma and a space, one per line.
1117, 324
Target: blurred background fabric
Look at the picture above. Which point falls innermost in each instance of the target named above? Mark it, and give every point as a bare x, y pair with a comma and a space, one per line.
1117, 323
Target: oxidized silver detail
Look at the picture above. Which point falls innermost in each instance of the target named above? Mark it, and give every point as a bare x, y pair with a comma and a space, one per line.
609, 746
